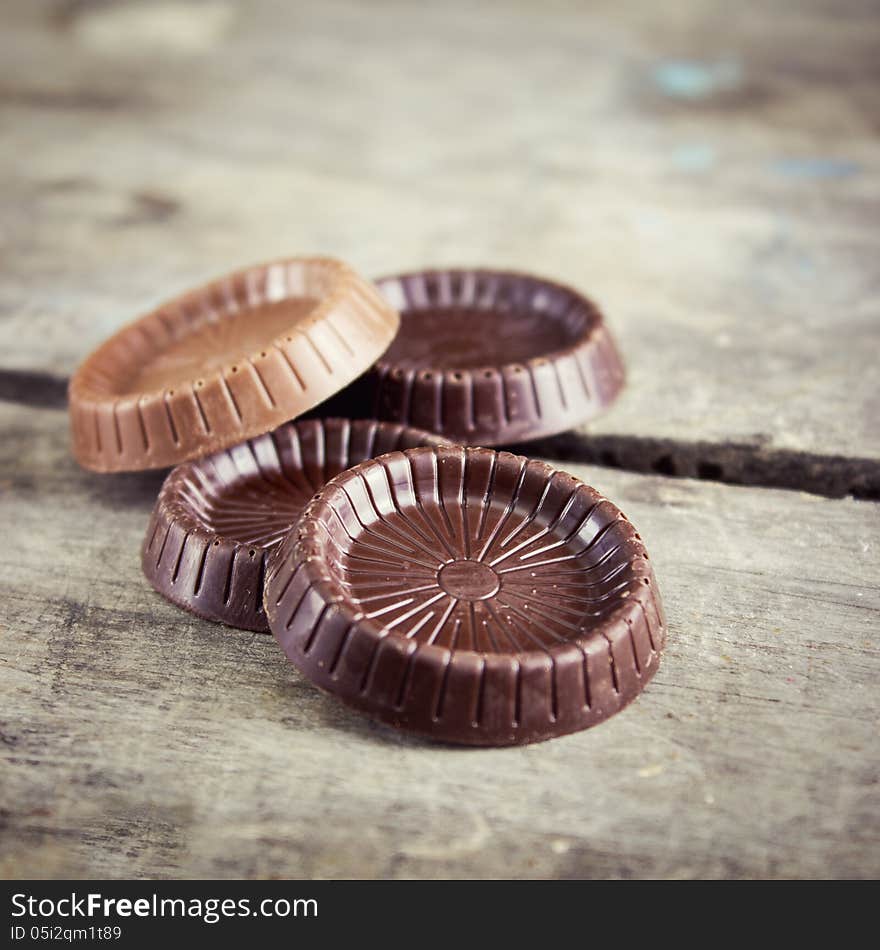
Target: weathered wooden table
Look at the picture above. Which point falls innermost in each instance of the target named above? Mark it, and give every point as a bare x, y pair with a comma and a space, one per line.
710, 172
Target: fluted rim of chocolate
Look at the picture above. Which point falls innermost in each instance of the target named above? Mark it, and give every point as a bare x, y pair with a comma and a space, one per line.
551, 390
382, 653
338, 326
207, 552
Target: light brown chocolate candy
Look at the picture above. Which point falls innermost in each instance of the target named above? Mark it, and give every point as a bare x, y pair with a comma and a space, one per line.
225, 363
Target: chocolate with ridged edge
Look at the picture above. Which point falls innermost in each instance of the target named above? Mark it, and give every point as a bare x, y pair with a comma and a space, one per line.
226, 362
469, 595
493, 357
217, 519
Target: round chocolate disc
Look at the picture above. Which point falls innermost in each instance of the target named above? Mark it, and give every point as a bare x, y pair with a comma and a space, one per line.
226, 362
470, 595
217, 518
490, 357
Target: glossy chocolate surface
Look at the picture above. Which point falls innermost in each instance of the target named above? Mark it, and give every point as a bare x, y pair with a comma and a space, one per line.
492, 357
452, 337
226, 362
217, 519
470, 595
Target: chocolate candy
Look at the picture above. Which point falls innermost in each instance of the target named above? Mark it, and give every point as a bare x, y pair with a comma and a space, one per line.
490, 358
216, 519
226, 362
470, 595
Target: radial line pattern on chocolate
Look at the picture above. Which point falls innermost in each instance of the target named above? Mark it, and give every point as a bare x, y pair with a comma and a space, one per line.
540, 567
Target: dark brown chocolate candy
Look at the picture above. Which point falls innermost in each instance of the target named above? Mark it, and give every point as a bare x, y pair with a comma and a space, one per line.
470, 595
491, 358
216, 519
224, 363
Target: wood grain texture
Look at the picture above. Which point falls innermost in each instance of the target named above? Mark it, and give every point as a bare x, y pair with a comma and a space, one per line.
138, 740
711, 173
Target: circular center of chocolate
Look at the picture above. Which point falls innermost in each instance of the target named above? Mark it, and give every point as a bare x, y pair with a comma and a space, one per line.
469, 580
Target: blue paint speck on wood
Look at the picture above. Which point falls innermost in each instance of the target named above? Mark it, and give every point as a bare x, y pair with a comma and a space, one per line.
694, 157
693, 79
816, 167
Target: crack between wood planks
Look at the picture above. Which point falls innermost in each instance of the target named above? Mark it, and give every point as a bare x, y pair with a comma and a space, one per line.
732, 463
35, 389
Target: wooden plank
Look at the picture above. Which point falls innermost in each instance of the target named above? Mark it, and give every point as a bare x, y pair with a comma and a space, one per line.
711, 176
137, 740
